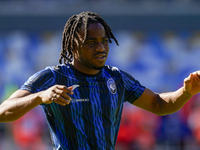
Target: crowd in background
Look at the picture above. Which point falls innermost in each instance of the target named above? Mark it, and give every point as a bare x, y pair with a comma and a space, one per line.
159, 60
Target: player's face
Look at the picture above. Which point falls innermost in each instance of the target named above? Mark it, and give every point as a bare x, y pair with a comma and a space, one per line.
91, 57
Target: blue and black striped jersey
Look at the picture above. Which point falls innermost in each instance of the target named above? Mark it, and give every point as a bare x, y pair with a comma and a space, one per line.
91, 121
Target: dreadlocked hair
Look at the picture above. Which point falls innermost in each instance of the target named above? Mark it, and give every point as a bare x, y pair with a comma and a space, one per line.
71, 28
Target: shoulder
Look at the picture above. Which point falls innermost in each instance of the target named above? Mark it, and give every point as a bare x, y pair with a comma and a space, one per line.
116, 71
112, 70
58, 68
40, 75
39, 81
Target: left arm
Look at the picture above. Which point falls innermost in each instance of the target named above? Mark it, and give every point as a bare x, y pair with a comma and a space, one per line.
167, 103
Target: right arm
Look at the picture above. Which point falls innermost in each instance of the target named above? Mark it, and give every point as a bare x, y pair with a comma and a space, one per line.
22, 101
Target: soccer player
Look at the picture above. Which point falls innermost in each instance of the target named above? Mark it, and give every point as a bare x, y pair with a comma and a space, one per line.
82, 97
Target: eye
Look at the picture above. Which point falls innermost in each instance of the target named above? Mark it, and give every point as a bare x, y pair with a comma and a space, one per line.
90, 42
105, 40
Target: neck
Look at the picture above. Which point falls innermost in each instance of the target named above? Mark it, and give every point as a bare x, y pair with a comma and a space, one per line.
84, 69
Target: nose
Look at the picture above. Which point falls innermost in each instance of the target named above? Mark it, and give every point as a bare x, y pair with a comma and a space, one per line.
100, 47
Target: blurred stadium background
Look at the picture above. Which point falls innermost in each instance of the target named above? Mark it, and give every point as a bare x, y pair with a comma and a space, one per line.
159, 45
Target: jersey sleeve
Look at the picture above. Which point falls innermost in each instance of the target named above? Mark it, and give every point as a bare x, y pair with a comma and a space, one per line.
40, 81
133, 88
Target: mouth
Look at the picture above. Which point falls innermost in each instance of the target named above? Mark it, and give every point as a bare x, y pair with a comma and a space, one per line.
101, 56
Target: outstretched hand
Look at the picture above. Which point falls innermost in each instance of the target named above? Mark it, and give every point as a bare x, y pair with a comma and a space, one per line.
192, 83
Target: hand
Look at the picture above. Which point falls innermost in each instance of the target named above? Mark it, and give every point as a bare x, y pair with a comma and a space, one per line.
57, 94
192, 83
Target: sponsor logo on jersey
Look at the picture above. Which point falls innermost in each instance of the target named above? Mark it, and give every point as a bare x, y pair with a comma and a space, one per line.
111, 86
80, 100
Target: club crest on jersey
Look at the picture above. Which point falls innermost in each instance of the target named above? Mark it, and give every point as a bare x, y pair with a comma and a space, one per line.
112, 86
